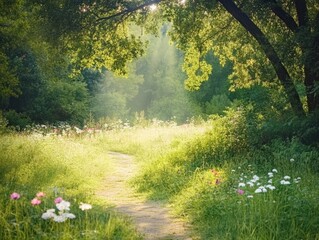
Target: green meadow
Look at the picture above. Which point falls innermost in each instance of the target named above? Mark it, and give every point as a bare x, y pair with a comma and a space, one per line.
213, 174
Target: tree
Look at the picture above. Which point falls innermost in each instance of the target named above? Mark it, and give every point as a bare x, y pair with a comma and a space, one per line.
270, 43
284, 33
162, 95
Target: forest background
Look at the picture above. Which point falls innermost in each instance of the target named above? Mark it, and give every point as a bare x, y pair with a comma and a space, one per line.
84, 61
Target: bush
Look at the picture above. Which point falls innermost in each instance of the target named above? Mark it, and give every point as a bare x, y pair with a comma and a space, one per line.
17, 120
3, 123
232, 187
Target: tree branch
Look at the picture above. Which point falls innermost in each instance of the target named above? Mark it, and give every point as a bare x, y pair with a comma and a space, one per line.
283, 15
302, 12
270, 52
128, 11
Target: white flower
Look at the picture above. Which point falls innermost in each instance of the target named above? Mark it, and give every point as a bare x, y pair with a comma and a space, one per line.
50, 213
253, 180
297, 180
85, 206
68, 215
287, 177
292, 160
270, 174
284, 182
261, 189
270, 181
250, 196
63, 206
251, 184
59, 218
271, 187
241, 185
274, 170
258, 190
255, 177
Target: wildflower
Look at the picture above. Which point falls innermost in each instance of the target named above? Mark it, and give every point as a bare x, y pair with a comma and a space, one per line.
241, 185
284, 182
85, 206
255, 177
274, 170
59, 218
63, 206
251, 184
58, 200
287, 177
292, 160
50, 213
35, 201
68, 215
40, 194
260, 189
15, 196
240, 191
271, 187
297, 180
270, 174
270, 181
250, 196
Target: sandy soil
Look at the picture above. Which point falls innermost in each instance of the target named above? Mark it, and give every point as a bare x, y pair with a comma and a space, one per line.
151, 218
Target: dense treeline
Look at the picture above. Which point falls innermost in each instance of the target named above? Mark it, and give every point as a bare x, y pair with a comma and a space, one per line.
74, 60
41, 85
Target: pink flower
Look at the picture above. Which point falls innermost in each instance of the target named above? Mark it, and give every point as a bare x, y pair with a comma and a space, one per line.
240, 191
58, 200
15, 196
40, 194
35, 201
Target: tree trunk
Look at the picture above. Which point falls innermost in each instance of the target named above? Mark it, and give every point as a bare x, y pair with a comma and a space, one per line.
311, 50
271, 54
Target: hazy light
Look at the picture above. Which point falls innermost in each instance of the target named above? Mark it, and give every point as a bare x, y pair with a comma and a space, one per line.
182, 1
153, 7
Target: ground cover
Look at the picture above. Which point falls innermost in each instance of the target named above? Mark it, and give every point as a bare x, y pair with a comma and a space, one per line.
229, 187
47, 190
214, 175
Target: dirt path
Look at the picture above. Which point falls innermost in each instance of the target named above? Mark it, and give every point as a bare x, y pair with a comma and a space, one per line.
151, 218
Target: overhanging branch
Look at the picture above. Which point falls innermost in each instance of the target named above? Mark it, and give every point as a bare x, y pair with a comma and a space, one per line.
128, 11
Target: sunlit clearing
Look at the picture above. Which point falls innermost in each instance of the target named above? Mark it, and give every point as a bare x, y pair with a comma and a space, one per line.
153, 7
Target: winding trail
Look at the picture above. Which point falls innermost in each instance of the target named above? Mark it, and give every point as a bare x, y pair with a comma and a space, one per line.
151, 218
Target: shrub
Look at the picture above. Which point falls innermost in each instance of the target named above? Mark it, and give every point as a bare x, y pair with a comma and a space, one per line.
3, 123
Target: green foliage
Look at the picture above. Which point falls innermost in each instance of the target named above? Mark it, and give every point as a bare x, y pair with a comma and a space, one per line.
114, 94
305, 129
8, 80
15, 119
3, 123
201, 179
162, 94
59, 167
226, 138
217, 104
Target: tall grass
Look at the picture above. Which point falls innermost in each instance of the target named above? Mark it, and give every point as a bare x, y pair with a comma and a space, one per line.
213, 179
59, 167
217, 176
